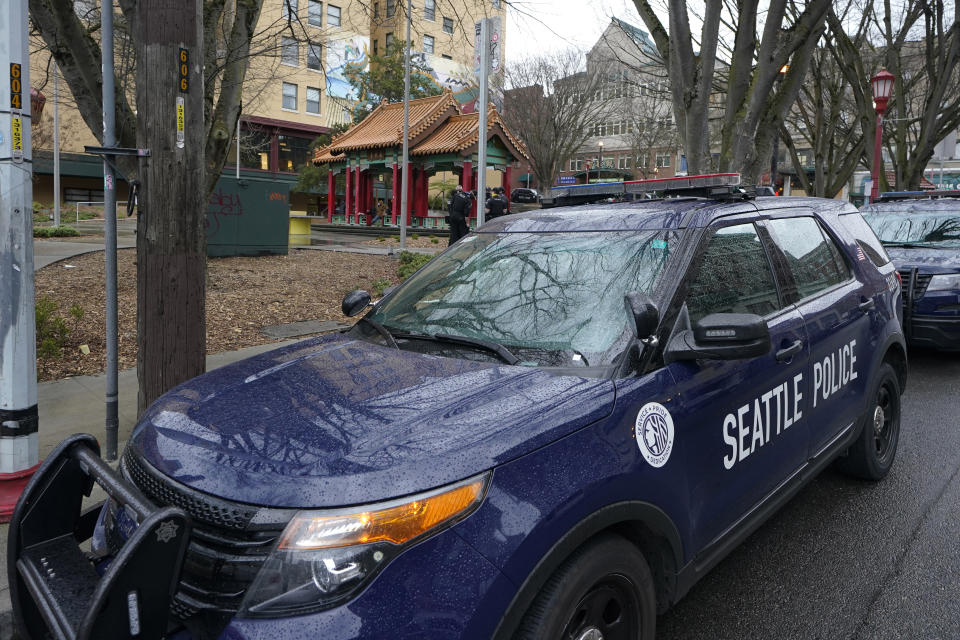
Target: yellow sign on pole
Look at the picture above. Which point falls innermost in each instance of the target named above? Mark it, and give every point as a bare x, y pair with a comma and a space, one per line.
180, 123
17, 139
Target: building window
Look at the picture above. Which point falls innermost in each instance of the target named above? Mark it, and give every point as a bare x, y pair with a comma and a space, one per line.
313, 100
623, 162
315, 13
430, 9
643, 161
289, 96
388, 40
446, 57
663, 160
333, 16
428, 44
289, 9
447, 25
313, 56
376, 49
289, 52
391, 8
293, 152
495, 3
376, 10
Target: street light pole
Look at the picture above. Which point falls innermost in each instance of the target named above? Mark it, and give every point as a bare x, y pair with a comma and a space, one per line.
405, 185
882, 89
600, 162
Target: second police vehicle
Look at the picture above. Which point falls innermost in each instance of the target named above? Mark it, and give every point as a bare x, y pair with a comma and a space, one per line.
552, 430
921, 232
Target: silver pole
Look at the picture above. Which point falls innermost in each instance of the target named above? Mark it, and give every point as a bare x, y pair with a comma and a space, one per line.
56, 146
406, 134
109, 225
18, 356
482, 115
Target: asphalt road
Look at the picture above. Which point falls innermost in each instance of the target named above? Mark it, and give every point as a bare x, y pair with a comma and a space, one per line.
852, 559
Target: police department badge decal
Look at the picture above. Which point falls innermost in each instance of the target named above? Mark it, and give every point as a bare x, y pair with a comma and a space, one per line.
654, 433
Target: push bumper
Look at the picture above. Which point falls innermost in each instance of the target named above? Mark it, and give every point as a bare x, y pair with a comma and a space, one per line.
59, 591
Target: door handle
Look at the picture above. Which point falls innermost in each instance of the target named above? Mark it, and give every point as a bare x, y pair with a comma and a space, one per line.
867, 305
786, 354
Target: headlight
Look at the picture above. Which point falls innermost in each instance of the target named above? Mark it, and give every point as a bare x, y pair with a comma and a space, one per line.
944, 282
324, 557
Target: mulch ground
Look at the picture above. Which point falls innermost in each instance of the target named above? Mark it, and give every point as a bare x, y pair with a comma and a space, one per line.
243, 295
422, 241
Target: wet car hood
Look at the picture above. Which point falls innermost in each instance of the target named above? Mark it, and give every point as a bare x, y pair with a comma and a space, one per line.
335, 421
926, 260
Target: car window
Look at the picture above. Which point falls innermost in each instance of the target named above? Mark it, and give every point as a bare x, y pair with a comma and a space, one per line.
812, 258
867, 240
898, 224
734, 276
533, 291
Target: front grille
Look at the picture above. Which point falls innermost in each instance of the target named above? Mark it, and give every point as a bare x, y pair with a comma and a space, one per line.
226, 548
920, 283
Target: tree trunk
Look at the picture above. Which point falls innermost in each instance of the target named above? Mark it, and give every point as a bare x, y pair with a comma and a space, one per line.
171, 243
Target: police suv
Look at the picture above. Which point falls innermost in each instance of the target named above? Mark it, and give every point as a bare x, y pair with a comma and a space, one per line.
920, 231
552, 430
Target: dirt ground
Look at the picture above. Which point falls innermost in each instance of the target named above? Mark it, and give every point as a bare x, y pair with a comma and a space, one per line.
422, 241
243, 295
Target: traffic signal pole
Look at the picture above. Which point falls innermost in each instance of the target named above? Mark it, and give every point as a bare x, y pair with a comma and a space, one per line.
18, 354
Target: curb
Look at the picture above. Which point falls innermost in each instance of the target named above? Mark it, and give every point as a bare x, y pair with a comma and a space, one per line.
7, 631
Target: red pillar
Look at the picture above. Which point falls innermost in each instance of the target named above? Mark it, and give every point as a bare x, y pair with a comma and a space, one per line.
331, 192
410, 191
421, 200
480, 196
395, 206
348, 194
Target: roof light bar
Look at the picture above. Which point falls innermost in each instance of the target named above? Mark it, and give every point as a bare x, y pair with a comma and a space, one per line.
680, 183
919, 195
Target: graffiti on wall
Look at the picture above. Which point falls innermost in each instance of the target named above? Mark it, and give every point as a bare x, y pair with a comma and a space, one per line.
222, 204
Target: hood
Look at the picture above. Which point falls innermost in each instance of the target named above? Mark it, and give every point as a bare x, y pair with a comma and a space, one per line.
335, 421
926, 260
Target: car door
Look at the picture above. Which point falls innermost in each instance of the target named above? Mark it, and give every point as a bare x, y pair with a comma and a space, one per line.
745, 418
835, 311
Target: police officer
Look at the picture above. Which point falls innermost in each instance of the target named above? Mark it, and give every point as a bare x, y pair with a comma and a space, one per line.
459, 212
497, 204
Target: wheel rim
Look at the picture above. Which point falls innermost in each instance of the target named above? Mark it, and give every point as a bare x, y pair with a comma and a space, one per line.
610, 610
885, 414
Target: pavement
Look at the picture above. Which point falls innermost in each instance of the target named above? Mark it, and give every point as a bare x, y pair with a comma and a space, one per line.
77, 405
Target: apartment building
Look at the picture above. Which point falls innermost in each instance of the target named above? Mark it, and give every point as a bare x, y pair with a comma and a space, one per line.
295, 88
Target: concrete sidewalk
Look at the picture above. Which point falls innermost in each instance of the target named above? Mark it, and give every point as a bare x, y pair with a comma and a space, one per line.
77, 405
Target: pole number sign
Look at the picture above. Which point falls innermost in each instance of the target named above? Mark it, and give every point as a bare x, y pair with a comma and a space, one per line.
183, 65
16, 87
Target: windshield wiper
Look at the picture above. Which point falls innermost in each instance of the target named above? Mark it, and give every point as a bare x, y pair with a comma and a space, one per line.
489, 345
382, 330
905, 245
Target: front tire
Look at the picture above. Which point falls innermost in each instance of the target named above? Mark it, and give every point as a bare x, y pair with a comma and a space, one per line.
871, 455
604, 591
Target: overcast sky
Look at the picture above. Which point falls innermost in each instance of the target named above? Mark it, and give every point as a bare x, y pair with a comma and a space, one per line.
539, 26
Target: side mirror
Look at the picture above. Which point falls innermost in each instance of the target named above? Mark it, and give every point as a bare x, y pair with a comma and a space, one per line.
644, 312
721, 336
355, 302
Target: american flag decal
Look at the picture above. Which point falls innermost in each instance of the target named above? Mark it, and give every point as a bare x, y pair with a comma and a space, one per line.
860, 255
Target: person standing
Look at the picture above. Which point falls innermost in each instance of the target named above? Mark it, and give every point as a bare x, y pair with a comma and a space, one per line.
497, 204
459, 211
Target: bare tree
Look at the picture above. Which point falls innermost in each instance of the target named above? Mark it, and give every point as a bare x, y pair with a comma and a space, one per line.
755, 102
552, 109
651, 127
824, 120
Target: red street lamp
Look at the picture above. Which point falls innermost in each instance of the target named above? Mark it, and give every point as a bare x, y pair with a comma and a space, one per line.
882, 89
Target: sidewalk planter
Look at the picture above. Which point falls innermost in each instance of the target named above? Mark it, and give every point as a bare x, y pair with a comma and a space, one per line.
249, 217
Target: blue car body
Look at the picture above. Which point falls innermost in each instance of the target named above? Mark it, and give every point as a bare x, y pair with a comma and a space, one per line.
931, 315
682, 457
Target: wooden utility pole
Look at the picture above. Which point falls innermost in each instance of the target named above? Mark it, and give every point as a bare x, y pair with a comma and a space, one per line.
171, 241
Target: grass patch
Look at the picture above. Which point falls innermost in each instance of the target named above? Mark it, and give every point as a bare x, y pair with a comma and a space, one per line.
63, 231
410, 262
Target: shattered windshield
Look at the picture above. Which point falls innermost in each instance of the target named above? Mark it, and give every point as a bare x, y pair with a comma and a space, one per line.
536, 294
936, 228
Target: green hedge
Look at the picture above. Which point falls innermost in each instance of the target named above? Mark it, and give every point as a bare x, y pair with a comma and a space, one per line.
63, 231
